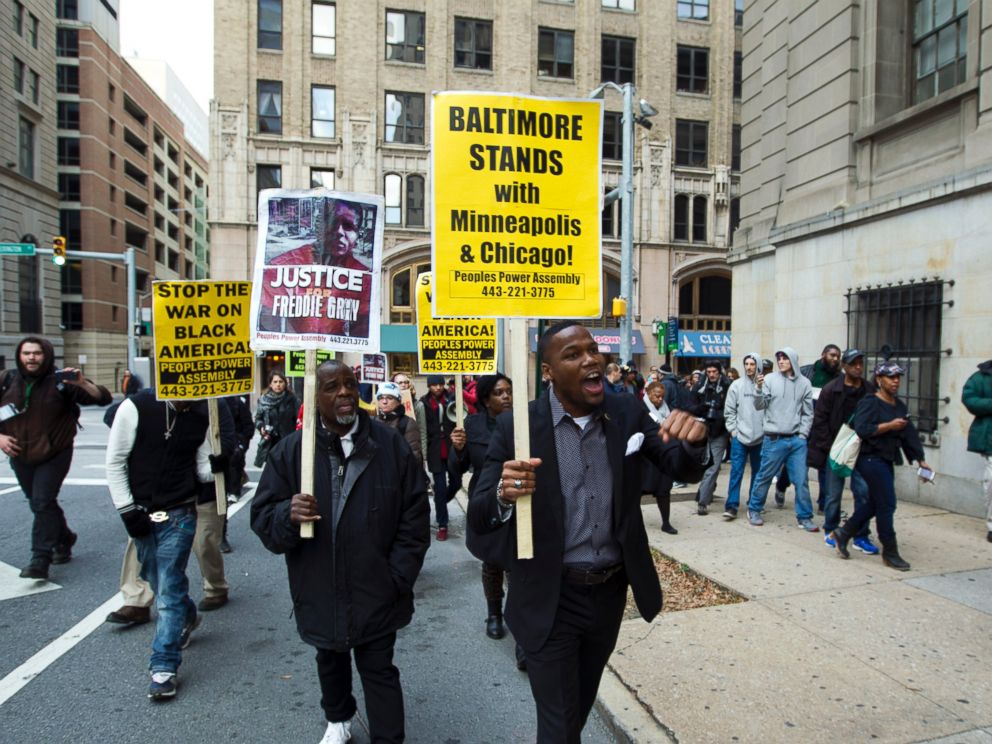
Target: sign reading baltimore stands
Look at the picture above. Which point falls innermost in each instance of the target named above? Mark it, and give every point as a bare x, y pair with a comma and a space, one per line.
201, 339
517, 203
317, 270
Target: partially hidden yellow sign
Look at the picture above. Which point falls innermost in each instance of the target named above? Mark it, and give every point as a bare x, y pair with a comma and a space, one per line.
517, 203
201, 339
452, 345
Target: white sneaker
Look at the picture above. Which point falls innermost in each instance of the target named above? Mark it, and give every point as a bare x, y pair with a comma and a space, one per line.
337, 733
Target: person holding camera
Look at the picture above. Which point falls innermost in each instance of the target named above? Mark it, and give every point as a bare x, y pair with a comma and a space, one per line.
275, 416
39, 415
709, 398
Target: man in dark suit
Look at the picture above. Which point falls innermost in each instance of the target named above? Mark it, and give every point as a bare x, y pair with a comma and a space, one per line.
565, 605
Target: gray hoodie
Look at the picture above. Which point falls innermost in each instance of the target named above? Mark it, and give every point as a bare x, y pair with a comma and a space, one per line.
787, 400
744, 421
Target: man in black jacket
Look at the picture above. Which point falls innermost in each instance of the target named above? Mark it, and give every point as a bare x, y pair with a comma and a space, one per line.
833, 409
584, 472
439, 428
709, 399
352, 584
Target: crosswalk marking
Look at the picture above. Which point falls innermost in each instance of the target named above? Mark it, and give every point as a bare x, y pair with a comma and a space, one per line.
12, 585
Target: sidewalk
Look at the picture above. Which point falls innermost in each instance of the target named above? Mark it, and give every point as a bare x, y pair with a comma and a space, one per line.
825, 649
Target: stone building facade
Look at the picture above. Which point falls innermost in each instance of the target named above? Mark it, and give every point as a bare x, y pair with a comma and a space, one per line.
866, 201
305, 91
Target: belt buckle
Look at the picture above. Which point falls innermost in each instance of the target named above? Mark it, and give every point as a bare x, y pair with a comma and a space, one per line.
159, 516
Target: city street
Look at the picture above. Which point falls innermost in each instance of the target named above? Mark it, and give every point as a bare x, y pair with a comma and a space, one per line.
246, 676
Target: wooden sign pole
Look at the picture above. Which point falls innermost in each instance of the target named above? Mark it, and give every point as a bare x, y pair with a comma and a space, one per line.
519, 350
459, 402
219, 486
309, 432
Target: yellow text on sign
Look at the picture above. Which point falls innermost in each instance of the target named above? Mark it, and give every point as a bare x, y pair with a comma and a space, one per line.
201, 339
452, 345
517, 196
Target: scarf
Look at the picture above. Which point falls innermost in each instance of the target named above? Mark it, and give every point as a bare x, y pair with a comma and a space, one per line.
658, 414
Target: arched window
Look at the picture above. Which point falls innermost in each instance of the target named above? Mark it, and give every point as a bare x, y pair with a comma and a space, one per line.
403, 292
680, 223
415, 201
699, 219
394, 208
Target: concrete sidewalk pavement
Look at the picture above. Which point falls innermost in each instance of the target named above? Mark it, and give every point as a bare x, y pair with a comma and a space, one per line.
825, 649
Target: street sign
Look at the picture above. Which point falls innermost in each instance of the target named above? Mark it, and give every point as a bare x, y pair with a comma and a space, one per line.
16, 249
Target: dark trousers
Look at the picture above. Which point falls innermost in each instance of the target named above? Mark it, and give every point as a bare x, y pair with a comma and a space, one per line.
663, 497
380, 682
881, 502
492, 582
564, 674
444, 491
41, 484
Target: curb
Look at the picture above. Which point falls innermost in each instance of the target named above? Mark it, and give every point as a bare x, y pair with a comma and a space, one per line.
624, 715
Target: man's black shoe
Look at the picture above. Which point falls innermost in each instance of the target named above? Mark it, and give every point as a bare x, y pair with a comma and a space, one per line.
63, 551
35, 570
225, 546
521, 659
130, 615
188, 628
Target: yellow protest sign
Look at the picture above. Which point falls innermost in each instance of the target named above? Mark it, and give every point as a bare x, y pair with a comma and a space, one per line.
201, 339
296, 361
517, 205
452, 345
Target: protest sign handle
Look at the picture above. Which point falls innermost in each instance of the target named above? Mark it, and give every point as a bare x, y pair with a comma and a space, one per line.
219, 487
521, 430
309, 432
459, 403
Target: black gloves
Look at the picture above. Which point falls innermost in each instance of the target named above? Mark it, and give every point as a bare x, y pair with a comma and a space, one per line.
219, 463
136, 522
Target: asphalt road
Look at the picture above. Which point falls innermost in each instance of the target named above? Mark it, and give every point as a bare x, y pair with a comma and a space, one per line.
246, 676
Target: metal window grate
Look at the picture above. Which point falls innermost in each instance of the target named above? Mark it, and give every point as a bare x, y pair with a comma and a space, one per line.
902, 322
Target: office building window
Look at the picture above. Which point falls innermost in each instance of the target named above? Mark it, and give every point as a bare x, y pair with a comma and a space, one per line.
72, 316
69, 186
67, 42
34, 87
473, 44
617, 64
67, 78
608, 219
555, 53
19, 70
612, 135
67, 9
68, 150
268, 177
33, 31
619, 4
394, 202
72, 277
691, 143
680, 221
405, 36
693, 69
405, 118
690, 218
738, 74
71, 228
699, 218
738, 12
735, 147
68, 114
26, 146
415, 201
269, 107
322, 107
698, 10
323, 17
735, 219
940, 46
321, 178
270, 24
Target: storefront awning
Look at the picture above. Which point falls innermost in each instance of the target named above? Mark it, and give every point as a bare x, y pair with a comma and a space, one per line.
711, 344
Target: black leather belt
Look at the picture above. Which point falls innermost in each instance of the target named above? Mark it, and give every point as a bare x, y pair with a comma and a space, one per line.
590, 578
773, 437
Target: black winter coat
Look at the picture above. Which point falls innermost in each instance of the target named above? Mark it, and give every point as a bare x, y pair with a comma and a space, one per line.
439, 430
833, 408
356, 585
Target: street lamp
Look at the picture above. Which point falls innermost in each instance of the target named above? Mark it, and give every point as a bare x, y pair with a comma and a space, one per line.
625, 192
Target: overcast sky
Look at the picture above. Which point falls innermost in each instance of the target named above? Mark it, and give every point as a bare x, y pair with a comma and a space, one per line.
181, 32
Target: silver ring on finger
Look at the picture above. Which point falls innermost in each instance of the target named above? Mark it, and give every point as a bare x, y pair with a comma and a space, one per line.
518, 484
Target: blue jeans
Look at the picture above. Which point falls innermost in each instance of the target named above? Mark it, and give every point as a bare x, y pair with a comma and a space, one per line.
163, 555
832, 488
790, 451
881, 501
740, 456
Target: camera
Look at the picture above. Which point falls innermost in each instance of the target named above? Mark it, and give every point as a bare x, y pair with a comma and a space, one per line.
61, 375
714, 412
8, 412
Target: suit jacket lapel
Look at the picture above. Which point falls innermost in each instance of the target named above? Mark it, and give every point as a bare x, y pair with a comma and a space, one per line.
542, 444
616, 445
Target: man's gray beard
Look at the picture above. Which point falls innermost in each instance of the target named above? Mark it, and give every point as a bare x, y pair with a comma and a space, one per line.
346, 420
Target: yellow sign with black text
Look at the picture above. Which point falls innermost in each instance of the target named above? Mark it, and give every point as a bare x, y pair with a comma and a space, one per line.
452, 345
201, 339
517, 205
296, 361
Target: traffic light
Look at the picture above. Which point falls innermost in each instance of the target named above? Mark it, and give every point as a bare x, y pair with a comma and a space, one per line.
58, 251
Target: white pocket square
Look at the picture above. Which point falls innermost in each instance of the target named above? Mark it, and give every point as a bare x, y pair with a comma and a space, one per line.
634, 443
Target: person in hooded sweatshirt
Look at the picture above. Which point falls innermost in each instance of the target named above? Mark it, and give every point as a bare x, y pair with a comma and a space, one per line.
786, 400
745, 425
39, 415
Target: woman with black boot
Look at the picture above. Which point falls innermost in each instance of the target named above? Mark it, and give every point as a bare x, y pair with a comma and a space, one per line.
495, 395
653, 481
882, 422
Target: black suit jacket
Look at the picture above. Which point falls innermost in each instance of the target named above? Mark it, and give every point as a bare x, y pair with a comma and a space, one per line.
536, 583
